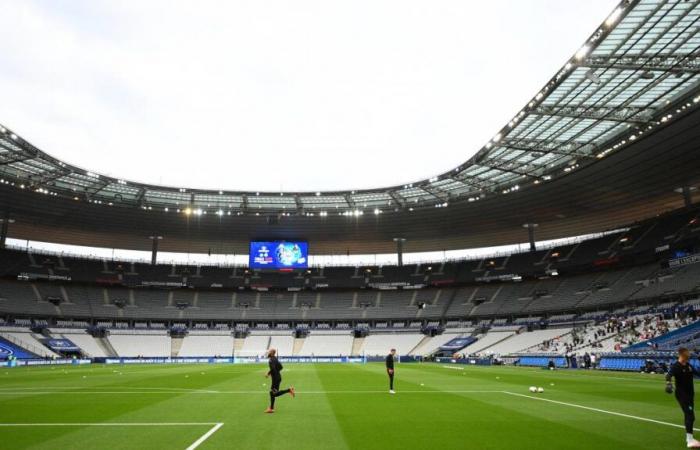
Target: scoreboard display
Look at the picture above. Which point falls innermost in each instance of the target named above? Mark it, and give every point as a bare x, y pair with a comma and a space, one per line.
278, 255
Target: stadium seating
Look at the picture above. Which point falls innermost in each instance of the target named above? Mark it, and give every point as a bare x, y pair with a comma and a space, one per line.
377, 344
541, 361
206, 345
255, 345
521, 342
620, 274
134, 345
321, 344
86, 342
486, 341
28, 341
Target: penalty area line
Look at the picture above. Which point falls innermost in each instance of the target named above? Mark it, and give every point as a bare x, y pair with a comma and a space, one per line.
603, 411
205, 436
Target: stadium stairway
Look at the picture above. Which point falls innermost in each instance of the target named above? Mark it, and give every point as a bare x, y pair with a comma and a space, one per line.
238, 345
509, 336
298, 344
358, 344
106, 347
422, 342
175, 346
448, 304
535, 348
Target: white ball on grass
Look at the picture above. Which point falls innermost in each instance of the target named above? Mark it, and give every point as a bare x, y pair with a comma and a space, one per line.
533, 389
540, 390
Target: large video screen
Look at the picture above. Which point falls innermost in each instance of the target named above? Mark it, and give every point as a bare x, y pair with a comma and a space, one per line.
278, 255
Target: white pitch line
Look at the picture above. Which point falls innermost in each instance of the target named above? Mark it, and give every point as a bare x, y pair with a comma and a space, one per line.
66, 388
111, 424
205, 436
246, 392
604, 411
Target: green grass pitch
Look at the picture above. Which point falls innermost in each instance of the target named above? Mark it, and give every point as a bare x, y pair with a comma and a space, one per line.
339, 406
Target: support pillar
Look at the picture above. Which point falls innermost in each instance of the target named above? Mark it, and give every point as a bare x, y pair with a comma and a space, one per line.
531, 235
4, 226
399, 249
154, 248
687, 196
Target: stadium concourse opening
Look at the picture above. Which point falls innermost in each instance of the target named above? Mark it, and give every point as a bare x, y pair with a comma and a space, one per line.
542, 294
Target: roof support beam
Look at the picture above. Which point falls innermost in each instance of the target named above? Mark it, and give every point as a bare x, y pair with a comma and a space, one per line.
46, 177
504, 167
544, 146
140, 196
438, 194
351, 202
244, 203
96, 187
400, 202
19, 158
624, 115
685, 63
300, 205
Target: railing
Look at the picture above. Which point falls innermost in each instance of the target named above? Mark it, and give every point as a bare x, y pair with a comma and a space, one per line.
38, 351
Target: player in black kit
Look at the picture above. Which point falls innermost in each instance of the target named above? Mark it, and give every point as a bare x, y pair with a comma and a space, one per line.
276, 375
683, 372
390, 369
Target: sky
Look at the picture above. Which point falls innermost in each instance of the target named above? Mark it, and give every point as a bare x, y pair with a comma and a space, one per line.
278, 95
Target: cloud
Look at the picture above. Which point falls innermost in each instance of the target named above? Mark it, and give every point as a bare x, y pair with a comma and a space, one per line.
277, 95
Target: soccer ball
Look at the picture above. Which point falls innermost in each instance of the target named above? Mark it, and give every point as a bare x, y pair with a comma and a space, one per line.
540, 390
533, 389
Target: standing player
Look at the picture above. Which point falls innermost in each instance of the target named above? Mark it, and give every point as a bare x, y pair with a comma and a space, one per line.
390, 369
683, 372
275, 373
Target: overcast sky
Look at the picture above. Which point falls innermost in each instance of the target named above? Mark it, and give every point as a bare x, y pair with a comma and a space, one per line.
277, 95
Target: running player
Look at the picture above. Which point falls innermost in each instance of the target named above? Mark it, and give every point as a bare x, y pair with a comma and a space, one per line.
683, 372
275, 373
390, 369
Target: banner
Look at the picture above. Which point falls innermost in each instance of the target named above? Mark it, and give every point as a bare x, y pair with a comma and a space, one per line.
236, 360
50, 362
62, 345
684, 261
24, 276
457, 344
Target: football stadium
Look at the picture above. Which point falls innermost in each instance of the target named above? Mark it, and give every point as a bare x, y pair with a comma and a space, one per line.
541, 292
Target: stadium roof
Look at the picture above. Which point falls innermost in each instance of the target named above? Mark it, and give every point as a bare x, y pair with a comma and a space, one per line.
638, 70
